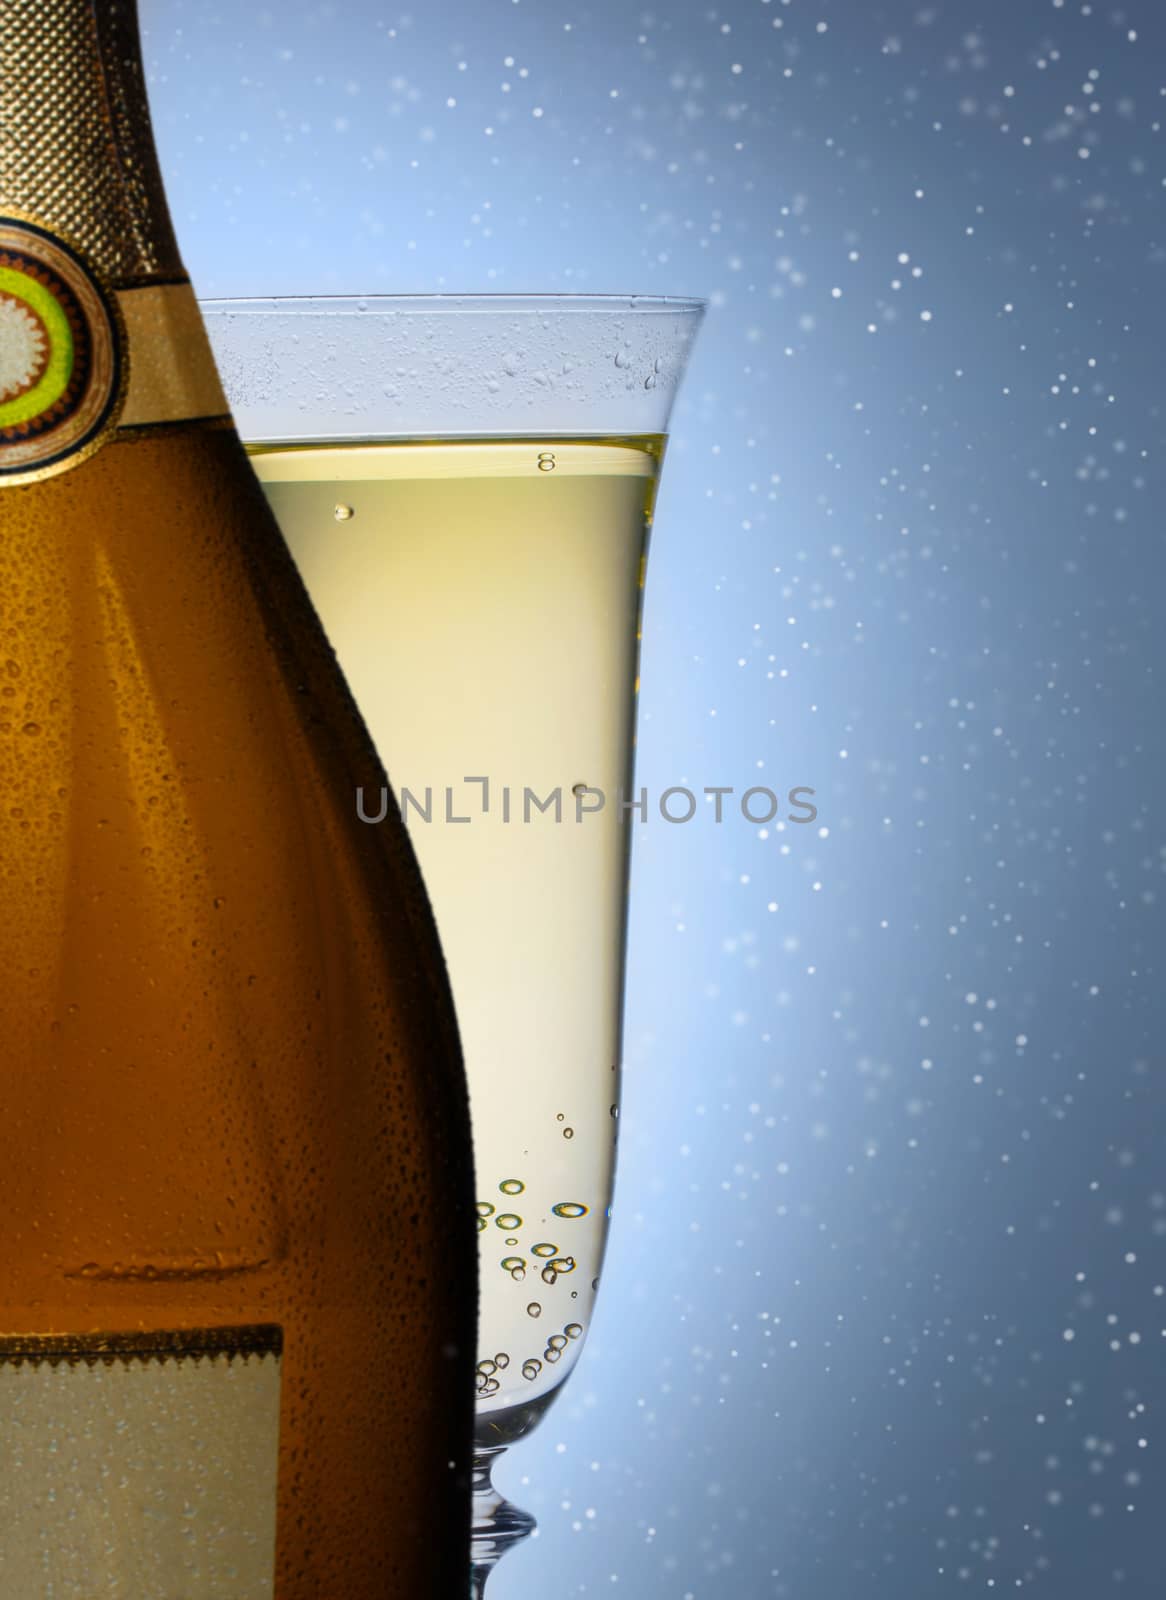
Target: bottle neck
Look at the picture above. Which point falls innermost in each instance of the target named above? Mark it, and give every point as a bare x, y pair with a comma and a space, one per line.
102, 336
77, 152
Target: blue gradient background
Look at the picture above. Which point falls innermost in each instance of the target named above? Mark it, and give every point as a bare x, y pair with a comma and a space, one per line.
884, 1312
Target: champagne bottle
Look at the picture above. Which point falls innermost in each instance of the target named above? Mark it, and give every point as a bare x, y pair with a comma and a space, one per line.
237, 1267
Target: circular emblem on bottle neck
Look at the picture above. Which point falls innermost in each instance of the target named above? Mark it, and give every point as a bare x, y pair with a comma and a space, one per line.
62, 355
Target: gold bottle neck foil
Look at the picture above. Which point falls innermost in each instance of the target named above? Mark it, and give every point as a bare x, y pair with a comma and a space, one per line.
77, 153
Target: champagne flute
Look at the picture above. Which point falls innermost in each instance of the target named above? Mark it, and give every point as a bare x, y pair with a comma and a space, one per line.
467, 484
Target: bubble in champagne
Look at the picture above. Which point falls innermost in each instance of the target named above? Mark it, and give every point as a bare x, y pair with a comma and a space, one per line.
508, 1222
563, 1264
534, 1309
560, 1117
550, 1355
573, 1330
557, 1341
568, 1133
515, 1266
485, 1209
481, 1224
512, 1186
343, 513
531, 1369
487, 1369
548, 1275
502, 1360
569, 1208
544, 1249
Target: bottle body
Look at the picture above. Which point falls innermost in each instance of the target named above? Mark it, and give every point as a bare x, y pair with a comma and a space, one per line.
237, 1275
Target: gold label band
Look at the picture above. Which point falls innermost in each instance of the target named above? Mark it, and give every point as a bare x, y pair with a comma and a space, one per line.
172, 374
80, 360
257, 1339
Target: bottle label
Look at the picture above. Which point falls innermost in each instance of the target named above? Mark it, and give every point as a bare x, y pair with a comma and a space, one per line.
141, 1465
79, 360
62, 354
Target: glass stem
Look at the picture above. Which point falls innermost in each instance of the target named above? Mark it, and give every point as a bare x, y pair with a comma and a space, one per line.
498, 1524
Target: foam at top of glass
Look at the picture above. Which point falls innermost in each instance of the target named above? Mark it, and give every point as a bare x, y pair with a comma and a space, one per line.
449, 365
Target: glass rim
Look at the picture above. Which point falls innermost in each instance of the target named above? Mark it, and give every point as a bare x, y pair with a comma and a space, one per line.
364, 304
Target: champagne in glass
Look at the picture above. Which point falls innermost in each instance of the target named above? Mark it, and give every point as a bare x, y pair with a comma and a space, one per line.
480, 577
